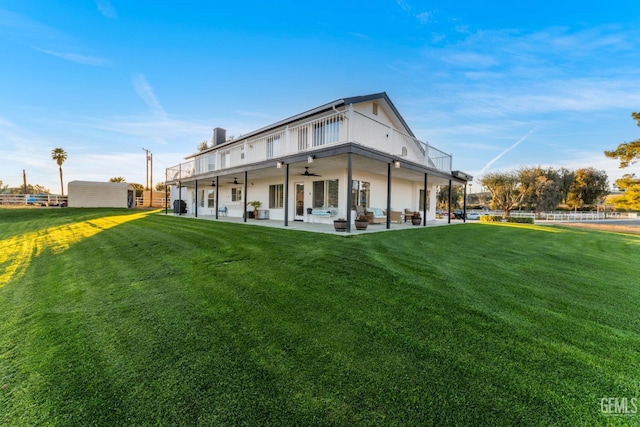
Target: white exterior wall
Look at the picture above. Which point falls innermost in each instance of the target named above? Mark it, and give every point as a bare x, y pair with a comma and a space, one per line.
90, 194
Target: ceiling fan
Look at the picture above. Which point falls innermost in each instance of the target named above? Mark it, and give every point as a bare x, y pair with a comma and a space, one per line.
235, 181
307, 173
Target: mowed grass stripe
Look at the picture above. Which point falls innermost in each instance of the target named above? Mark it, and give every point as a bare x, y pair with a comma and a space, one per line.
173, 321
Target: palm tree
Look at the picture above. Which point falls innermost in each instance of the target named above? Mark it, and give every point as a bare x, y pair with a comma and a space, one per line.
59, 155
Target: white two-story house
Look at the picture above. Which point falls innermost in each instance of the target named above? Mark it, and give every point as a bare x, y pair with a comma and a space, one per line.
325, 163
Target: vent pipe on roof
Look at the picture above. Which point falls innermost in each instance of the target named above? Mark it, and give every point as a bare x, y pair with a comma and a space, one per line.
219, 136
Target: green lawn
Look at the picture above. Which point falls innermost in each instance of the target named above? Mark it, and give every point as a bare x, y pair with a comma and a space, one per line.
116, 317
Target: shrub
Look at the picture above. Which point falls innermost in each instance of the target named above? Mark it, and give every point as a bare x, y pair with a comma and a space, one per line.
520, 220
490, 218
498, 218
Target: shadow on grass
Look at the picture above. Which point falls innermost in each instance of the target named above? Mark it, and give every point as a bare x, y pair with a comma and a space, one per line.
17, 252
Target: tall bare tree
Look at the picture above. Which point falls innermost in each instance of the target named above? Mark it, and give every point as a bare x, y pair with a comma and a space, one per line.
59, 155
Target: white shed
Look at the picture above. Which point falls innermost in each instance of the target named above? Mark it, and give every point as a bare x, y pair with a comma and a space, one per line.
94, 194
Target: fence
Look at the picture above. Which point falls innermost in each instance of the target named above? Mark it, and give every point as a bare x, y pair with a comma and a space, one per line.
157, 202
571, 216
33, 199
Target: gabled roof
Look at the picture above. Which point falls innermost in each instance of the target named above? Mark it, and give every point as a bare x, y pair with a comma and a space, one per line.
326, 107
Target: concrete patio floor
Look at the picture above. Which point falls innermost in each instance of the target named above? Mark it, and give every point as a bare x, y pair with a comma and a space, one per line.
326, 228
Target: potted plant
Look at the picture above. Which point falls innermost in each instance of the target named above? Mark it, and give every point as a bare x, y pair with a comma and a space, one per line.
416, 219
340, 224
256, 205
361, 222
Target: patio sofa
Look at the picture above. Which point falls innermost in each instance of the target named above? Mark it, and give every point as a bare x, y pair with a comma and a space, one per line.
376, 215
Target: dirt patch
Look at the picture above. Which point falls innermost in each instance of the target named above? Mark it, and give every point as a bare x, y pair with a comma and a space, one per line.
616, 228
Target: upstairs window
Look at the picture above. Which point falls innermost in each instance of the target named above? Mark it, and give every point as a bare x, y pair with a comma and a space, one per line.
303, 138
225, 159
326, 131
273, 146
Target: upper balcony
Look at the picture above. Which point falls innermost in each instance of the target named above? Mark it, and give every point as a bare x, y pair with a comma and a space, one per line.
305, 137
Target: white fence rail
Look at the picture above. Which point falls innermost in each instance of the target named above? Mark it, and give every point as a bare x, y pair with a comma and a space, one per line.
567, 216
157, 202
33, 199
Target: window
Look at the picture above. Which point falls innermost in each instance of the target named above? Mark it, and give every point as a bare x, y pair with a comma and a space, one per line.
325, 194
236, 194
201, 198
360, 194
211, 198
242, 150
276, 196
273, 146
326, 131
225, 159
303, 138
375, 109
404, 151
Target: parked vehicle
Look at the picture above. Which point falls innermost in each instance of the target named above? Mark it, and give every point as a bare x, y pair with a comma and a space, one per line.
473, 215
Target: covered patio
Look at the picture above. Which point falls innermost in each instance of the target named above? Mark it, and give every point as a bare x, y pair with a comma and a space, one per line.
316, 227
348, 162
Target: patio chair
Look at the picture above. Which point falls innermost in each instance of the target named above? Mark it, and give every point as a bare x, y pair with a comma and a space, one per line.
407, 214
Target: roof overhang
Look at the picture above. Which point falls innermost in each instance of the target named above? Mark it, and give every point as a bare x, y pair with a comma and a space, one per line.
462, 175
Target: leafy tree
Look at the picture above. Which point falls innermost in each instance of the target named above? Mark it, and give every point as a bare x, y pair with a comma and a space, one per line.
566, 181
39, 189
442, 196
160, 186
630, 199
31, 189
505, 190
59, 155
203, 146
628, 153
541, 188
589, 187
117, 179
139, 189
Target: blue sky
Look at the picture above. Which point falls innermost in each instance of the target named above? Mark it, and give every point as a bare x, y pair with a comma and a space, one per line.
499, 84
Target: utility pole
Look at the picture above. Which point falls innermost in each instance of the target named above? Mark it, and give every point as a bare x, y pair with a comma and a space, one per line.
151, 180
148, 158
24, 180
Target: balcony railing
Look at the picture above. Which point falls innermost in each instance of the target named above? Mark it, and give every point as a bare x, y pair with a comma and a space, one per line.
333, 129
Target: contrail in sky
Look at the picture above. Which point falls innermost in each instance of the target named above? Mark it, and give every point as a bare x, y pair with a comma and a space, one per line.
145, 91
506, 150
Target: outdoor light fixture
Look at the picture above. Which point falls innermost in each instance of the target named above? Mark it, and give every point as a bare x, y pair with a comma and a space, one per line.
396, 164
310, 158
279, 164
213, 184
